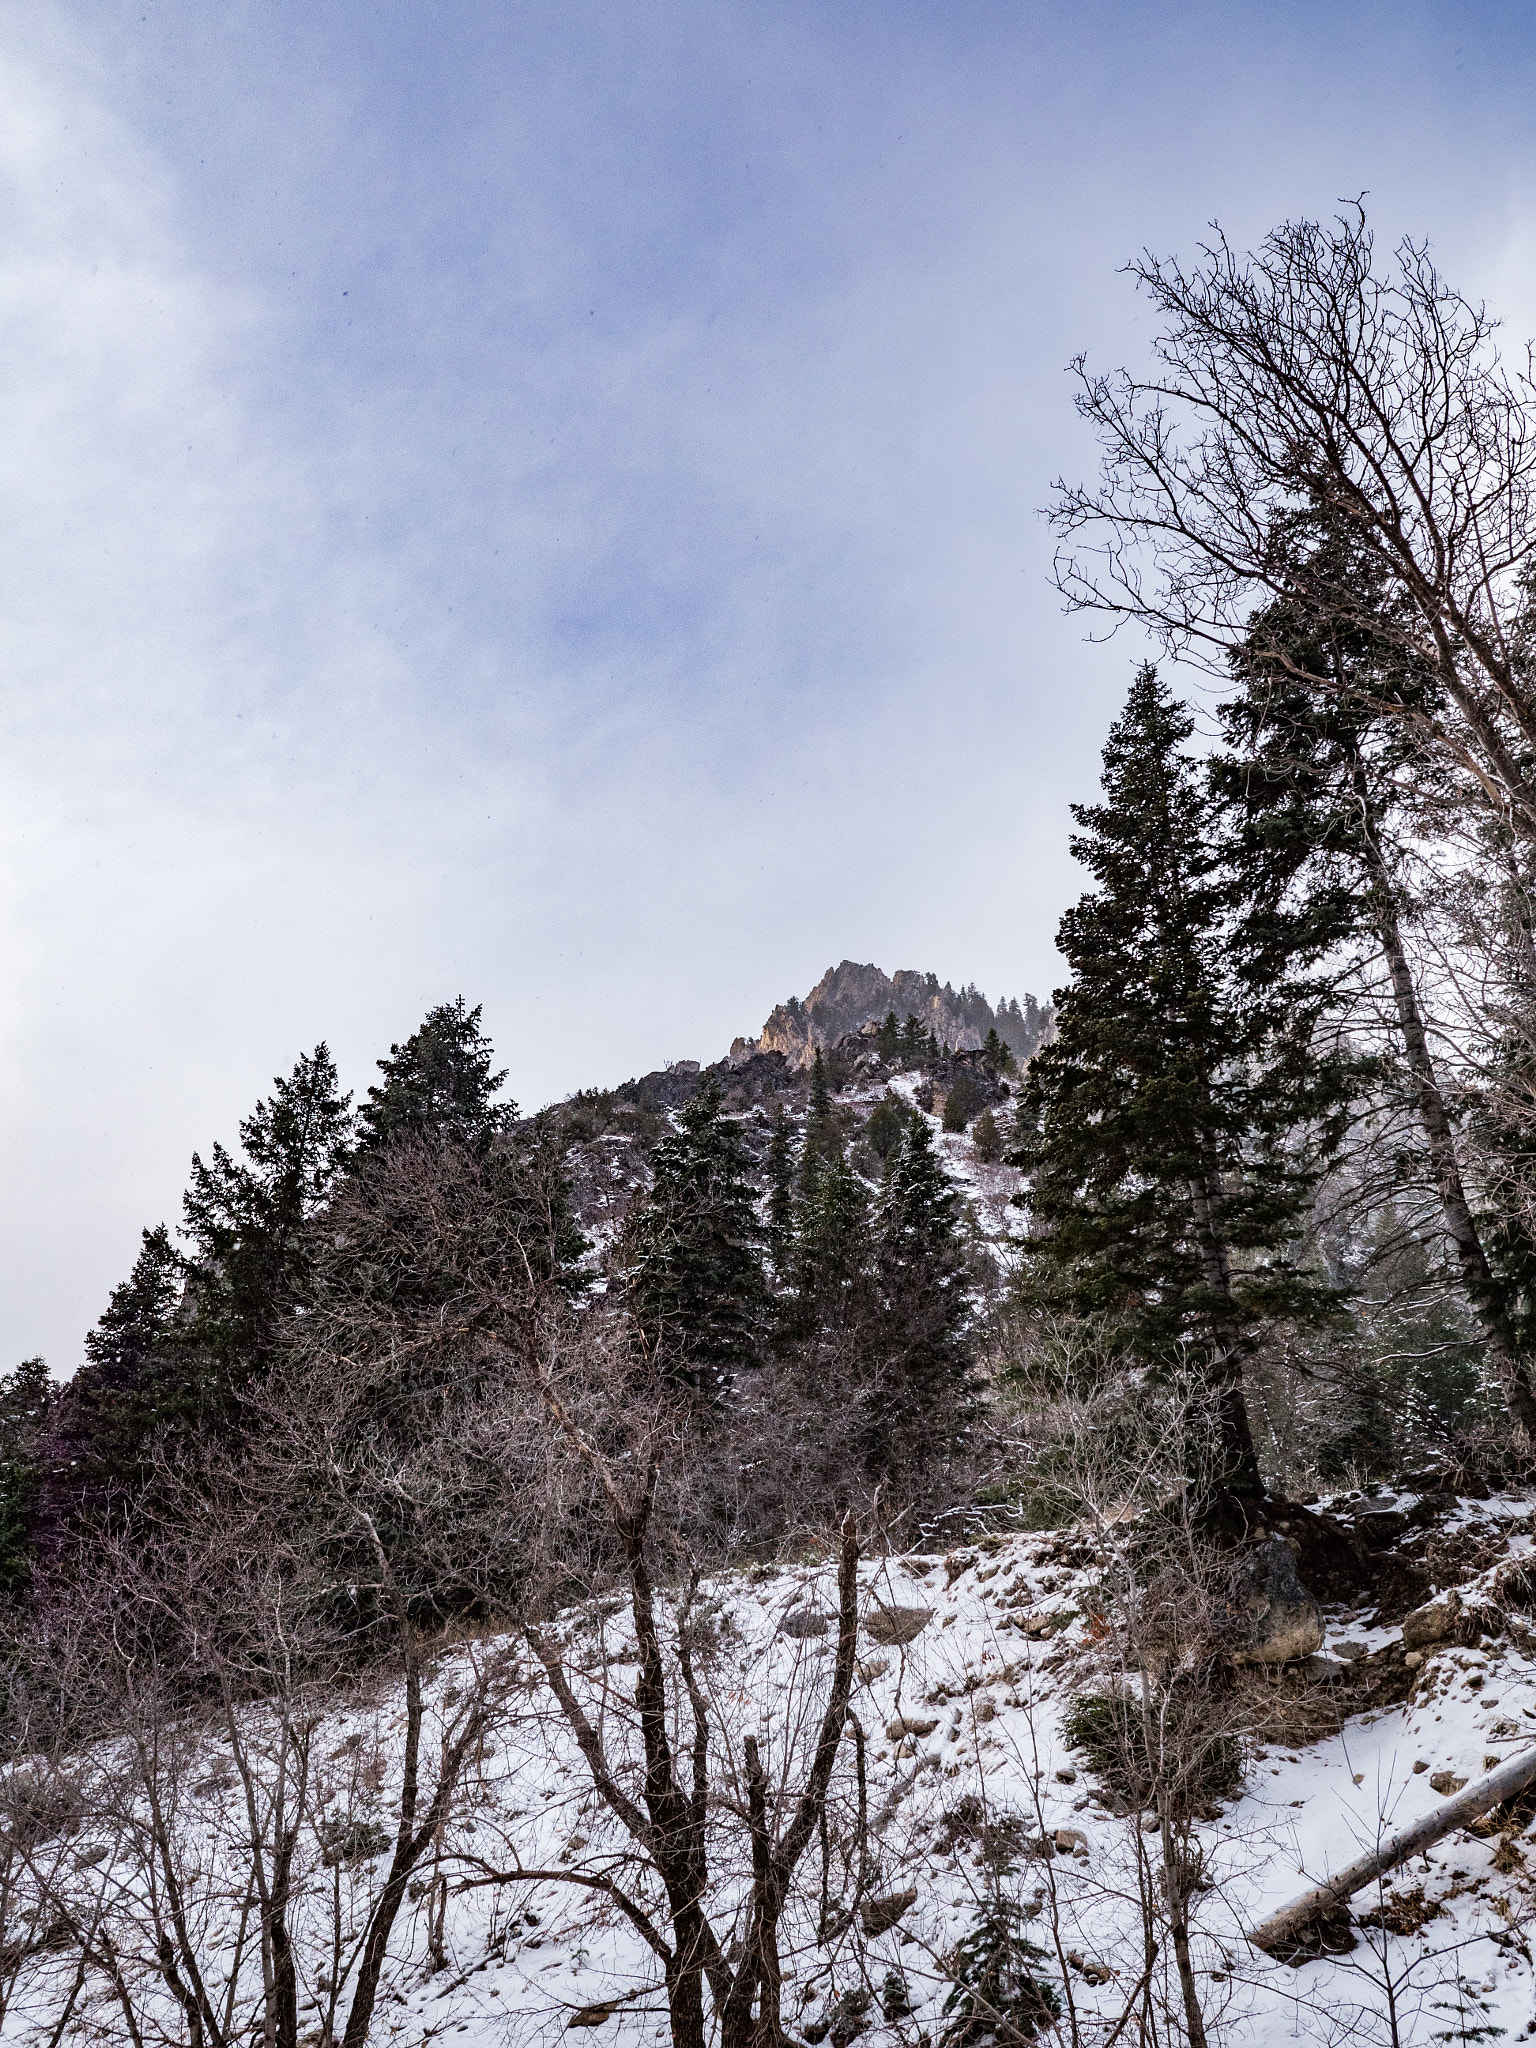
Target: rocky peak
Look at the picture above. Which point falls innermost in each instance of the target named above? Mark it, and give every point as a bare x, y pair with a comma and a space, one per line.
850, 996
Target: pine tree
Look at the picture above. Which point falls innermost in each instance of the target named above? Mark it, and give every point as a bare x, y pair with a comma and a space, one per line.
889, 1039
694, 1278
1312, 788
136, 1380
781, 1197
913, 1038
821, 1132
923, 1396
26, 1396
245, 1218
833, 1255
439, 1084
1173, 1132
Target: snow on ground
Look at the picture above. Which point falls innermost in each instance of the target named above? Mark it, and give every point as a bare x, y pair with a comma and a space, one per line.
985, 1680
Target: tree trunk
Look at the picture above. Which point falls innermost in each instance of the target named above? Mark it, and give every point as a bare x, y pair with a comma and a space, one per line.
1240, 1461
1461, 1225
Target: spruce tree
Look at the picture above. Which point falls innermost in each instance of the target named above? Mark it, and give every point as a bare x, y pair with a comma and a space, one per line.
246, 1218
821, 1132
1174, 1131
137, 1380
913, 1039
1313, 787
26, 1398
781, 1196
693, 1275
438, 1084
922, 1399
833, 1256
889, 1039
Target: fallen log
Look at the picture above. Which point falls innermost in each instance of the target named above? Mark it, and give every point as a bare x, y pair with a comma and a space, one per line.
1507, 1782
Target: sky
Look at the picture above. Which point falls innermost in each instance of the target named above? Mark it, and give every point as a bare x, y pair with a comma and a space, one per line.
542, 502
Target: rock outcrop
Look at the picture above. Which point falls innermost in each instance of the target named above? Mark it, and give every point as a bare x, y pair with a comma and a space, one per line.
1285, 1621
850, 996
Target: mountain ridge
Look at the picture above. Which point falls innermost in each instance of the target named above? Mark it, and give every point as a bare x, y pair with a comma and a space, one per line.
855, 993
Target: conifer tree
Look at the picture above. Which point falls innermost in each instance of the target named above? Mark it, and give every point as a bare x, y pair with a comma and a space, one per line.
246, 1217
26, 1397
913, 1038
833, 1255
694, 1278
781, 1197
889, 1039
1173, 1132
438, 1084
136, 1380
821, 1132
1312, 785
922, 1399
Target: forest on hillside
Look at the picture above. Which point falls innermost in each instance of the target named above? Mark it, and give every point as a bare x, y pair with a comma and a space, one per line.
416, 1371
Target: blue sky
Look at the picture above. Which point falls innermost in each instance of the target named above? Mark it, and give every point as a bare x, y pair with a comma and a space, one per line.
541, 500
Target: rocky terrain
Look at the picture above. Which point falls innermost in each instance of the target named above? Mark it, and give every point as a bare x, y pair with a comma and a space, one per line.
849, 996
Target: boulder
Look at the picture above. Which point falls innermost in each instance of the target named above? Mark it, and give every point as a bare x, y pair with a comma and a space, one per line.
1284, 1620
805, 1621
1431, 1623
891, 1625
880, 1915
902, 1725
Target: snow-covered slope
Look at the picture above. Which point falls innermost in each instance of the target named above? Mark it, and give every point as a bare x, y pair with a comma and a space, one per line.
980, 1776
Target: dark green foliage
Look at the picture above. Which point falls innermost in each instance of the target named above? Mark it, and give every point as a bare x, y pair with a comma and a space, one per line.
889, 1039
694, 1278
1175, 1130
781, 1199
439, 1083
924, 1395
833, 1255
914, 1040
987, 1138
136, 1381
998, 1992
961, 1103
245, 1220
887, 1124
823, 1140
998, 1057
25, 1400
1185, 1762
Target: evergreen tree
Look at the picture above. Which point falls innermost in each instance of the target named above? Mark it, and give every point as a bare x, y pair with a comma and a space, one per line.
693, 1274
136, 1380
781, 1198
246, 1218
1312, 785
997, 1055
922, 1398
887, 1124
833, 1256
25, 1401
987, 1138
913, 1039
1173, 1132
889, 1039
439, 1084
821, 1133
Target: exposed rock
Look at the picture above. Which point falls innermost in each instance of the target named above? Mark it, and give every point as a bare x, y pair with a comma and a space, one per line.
1285, 1621
593, 2015
806, 1621
880, 1915
891, 1625
1432, 1623
1445, 1783
1069, 1841
850, 996
902, 1725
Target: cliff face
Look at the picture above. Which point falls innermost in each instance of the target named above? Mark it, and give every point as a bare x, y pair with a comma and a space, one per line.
850, 996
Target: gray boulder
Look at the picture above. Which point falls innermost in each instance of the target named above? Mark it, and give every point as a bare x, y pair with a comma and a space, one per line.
1284, 1621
